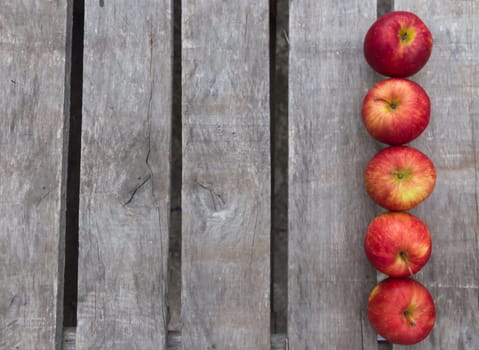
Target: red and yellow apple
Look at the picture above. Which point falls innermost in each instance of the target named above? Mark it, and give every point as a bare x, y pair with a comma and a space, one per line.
398, 244
399, 178
396, 111
398, 44
401, 310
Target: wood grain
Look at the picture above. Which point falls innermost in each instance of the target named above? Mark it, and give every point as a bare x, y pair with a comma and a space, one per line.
226, 175
451, 141
124, 192
329, 276
34, 50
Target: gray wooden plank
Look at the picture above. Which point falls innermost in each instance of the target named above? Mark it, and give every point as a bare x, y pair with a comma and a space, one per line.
34, 103
226, 175
329, 275
124, 192
451, 213
278, 341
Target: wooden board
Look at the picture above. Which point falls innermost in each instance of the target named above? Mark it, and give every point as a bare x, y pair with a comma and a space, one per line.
35, 47
329, 210
451, 141
226, 175
278, 341
124, 193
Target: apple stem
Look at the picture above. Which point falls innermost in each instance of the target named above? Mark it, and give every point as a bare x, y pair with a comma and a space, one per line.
403, 256
376, 98
392, 104
408, 317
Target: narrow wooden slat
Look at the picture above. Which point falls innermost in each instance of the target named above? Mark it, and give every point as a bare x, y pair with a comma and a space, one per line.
329, 276
34, 50
226, 175
451, 141
124, 193
278, 341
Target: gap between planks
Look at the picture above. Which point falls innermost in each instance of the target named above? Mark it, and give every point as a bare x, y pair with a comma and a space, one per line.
278, 341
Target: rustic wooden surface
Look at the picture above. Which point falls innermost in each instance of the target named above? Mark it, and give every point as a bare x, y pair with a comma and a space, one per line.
226, 175
124, 194
451, 141
34, 50
125, 181
329, 276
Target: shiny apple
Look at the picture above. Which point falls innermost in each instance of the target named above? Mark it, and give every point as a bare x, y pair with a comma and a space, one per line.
396, 111
399, 177
401, 310
398, 44
398, 244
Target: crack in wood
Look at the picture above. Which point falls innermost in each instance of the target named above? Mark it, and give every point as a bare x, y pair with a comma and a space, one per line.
136, 190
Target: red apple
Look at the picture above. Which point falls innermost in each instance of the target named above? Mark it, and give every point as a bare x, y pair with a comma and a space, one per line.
398, 244
396, 111
398, 44
401, 310
399, 177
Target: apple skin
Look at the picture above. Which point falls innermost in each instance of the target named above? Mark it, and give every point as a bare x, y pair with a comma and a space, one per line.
398, 244
401, 310
398, 44
399, 178
396, 111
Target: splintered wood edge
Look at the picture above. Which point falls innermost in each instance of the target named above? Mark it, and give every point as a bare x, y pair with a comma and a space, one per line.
278, 341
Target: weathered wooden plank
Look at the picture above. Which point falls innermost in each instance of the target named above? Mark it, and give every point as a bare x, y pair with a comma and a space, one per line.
451, 140
124, 192
35, 50
278, 341
226, 175
329, 276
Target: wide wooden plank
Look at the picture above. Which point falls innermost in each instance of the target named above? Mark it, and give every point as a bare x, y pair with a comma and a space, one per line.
329, 275
278, 341
226, 175
451, 213
34, 50
124, 192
